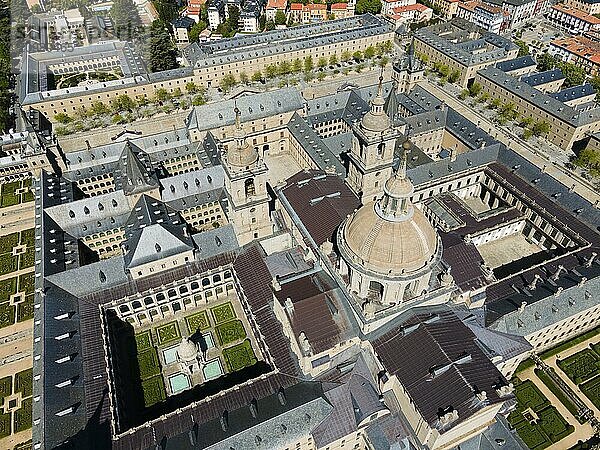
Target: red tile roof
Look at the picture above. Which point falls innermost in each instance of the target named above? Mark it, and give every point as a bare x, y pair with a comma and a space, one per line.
276, 4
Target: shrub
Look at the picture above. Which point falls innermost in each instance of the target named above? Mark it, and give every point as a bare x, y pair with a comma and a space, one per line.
143, 341
223, 313
23, 416
148, 364
198, 321
168, 333
154, 390
230, 332
239, 356
24, 382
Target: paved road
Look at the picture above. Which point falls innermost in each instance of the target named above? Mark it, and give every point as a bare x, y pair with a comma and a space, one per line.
20, 217
515, 144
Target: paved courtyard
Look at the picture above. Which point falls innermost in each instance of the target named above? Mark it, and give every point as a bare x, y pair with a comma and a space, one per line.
507, 249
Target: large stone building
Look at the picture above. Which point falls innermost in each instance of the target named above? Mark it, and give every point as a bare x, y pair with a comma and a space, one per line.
189, 282
206, 64
461, 46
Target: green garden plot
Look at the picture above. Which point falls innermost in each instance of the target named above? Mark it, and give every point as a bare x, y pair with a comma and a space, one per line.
223, 313
27, 237
5, 387
23, 416
198, 321
154, 390
7, 314
8, 242
8, 287
4, 425
581, 366
8, 263
25, 309
168, 333
592, 390
143, 341
549, 428
239, 356
231, 331
148, 364
27, 259
24, 382
9, 197
27, 283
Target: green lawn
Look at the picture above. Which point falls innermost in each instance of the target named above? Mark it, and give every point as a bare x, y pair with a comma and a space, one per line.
198, 321
7, 314
154, 390
25, 309
581, 366
23, 416
5, 387
223, 313
545, 378
8, 263
168, 333
143, 341
550, 427
24, 382
230, 332
27, 283
592, 390
148, 362
8, 287
567, 345
4, 425
239, 356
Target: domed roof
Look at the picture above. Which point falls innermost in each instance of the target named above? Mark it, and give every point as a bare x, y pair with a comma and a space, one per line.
241, 154
187, 350
376, 120
390, 247
399, 187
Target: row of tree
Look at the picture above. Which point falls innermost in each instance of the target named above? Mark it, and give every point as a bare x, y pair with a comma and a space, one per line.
574, 75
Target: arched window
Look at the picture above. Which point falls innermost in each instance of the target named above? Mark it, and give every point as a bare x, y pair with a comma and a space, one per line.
249, 187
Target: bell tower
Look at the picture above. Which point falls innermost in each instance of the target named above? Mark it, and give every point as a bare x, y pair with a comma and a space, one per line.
246, 186
372, 153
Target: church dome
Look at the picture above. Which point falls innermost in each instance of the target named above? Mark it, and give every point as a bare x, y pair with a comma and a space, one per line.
241, 154
187, 350
390, 247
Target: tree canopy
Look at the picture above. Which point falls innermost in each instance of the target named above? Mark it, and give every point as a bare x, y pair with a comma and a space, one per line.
161, 53
280, 18
125, 18
368, 6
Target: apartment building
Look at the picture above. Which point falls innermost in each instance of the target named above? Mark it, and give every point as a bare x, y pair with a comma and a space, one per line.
572, 20
579, 50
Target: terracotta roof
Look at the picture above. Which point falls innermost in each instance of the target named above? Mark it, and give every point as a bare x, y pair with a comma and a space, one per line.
581, 46
577, 13
296, 6
406, 8
276, 4
339, 6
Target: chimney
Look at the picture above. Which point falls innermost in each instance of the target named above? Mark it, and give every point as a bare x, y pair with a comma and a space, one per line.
522, 307
557, 273
558, 291
289, 306
275, 284
591, 259
531, 286
582, 281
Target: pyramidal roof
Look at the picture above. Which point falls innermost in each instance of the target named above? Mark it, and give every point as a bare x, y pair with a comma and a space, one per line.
154, 231
134, 173
391, 103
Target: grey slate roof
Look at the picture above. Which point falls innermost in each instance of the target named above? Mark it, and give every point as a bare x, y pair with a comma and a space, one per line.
213, 242
539, 78
540, 99
575, 92
252, 107
154, 231
276, 42
134, 173
516, 64
193, 183
497, 436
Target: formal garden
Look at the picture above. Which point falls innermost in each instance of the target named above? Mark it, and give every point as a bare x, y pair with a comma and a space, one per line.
232, 346
15, 420
16, 192
538, 423
9, 262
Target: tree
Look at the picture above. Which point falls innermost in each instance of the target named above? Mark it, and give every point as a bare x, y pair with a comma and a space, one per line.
346, 56
257, 76
321, 76
589, 159
269, 25
271, 71
122, 102
495, 103
333, 60
284, 68
475, 89
227, 82
545, 62
160, 50
63, 118
162, 95
194, 33
297, 66
574, 75
540, 128
483, 97
198, 100
322, 63
243, 78
454, 76
280, 18
308, 64
369, 52
125, 19
262, 23
234, 17
368, 6
191, 87
523, 48
357, 56
463, 94
99, 108
383, 61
